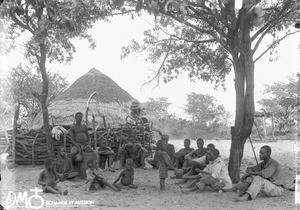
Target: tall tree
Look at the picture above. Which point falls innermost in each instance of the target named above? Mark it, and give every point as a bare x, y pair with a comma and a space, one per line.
22, 81
208, 38
50, 25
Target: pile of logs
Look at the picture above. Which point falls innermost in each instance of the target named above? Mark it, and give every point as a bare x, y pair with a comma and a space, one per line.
31, 147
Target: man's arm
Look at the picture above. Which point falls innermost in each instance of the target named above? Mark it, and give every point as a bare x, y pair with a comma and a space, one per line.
72, 135
119, 177
122, 148
132, 177
265, 173
172, 152
87, 133
167, 160
41, 179
254, 170
190, 155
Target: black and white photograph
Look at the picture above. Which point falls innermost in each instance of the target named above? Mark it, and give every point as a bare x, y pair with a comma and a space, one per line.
149, 104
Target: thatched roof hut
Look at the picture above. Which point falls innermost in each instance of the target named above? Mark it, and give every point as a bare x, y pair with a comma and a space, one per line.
109, 100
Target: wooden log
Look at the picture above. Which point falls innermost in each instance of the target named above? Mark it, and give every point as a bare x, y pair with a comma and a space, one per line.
32, 149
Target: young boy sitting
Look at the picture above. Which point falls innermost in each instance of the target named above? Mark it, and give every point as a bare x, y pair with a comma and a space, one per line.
64, 166
95, 178
48, 179
126, 176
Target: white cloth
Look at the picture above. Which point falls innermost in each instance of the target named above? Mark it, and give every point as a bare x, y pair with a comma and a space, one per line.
200, 159
219, 170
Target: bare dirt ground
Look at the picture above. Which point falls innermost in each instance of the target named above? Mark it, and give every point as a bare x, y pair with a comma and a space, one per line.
148, 196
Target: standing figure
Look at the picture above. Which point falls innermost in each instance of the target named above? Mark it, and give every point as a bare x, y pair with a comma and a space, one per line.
164, 163
79, 138
170, 150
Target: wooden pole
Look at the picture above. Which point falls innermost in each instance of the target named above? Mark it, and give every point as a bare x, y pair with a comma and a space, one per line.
95, 132
16, 117
273, 127
151, 140
65, 141
265, 130
253, 150
32, 149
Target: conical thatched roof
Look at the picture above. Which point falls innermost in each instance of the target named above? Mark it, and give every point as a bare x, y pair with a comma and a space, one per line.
110, 100
107, 90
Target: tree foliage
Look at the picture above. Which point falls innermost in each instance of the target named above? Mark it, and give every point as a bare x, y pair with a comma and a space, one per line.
282, 100
22, 82
205, 109
199, 37
207, 115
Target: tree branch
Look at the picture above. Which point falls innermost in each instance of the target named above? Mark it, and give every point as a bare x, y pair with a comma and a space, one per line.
271, 22
263, 35
157, 76
18, 22
274, 43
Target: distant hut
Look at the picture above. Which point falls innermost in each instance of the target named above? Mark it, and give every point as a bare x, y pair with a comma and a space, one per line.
95, 90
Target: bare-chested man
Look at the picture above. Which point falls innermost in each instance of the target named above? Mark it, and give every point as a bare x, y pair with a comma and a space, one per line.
79, 137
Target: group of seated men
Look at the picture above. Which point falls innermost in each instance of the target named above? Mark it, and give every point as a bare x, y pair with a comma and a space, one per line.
203, 165
207, 170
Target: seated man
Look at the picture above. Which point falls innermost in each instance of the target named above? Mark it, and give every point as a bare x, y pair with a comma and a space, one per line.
180, 155
197, 153
79, 138
197, 163
105, 154
214, 177
266, 177
64, 166
170, 150
134, 151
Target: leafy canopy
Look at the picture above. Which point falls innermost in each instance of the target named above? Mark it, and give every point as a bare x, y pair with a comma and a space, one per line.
52, 22
22, 82
205, 110
202, 37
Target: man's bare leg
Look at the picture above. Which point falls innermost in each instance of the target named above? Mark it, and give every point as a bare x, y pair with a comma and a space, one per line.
162, 184
110, 185
190, 189
48, 189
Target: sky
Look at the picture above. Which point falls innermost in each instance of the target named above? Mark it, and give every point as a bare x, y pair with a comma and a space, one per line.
133, 71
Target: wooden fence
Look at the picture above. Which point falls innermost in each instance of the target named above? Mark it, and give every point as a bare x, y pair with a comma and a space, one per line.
31, 147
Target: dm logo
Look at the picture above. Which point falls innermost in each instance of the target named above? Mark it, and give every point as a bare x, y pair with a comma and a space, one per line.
22, 199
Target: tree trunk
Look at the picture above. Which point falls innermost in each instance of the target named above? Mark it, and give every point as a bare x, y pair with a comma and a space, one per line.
244, 85
43, 100
15, 129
